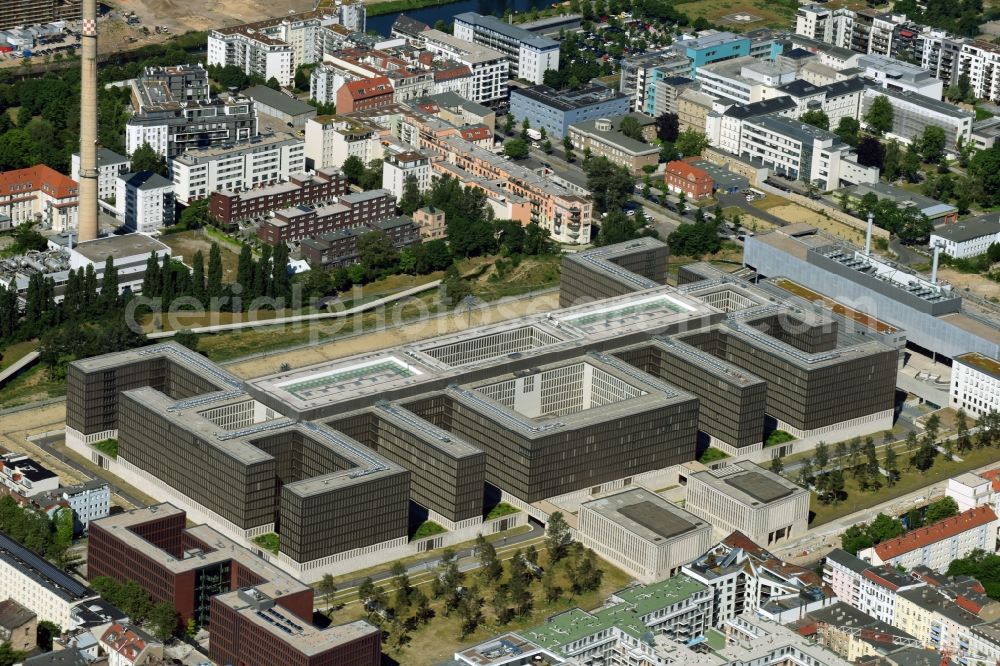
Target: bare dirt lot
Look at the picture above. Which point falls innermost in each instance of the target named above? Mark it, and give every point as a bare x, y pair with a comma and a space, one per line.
184, 15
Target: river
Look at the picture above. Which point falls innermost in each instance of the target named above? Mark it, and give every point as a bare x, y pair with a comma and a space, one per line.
430, 15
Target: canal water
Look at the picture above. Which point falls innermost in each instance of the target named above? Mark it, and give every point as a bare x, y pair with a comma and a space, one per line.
430, 15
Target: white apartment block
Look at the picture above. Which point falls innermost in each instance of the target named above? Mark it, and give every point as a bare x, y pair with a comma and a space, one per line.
937, 545
969, 491
89, 501
841, 99
272, 48
38, 585
814, 22
744, 497
397, 168
529, 55
744, 80
23, 476
145, 201
325, 81
643, 534
490, 68
981, 60
110, 165
236, 167
330, 140
912, 113
802, 152
975, 384
967, 238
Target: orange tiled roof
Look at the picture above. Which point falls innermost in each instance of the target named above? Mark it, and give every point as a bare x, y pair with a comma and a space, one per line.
373, 87
687, 171
992, 475
944, 529
38, 177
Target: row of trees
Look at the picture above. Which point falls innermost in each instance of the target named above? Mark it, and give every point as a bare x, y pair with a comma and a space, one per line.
906, 222
884, 528
35, 531
160, 619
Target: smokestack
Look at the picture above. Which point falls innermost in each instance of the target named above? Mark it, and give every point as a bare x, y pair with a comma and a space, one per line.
868, 235
937, 251
87, 215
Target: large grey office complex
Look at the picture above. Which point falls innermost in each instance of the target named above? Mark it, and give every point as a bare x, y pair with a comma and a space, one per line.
936, 318
338, 457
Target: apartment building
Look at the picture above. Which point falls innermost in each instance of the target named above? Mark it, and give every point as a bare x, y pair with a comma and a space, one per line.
330, 140
145, 201
397, 168
936, 545
304, 221
31, 581
927, 614
842, 572
838, 100
644, 534
40, 195
975, 384
431, 222
641, 74
743, 497
173, 111
556, 110
912, 113
693, 108
110, 165
25, 477
490, 68
802, 152
88, 501
339, 249
364, 94
530, 55
236, 167
879, 589
31, 12
968, 238
300, 188
724, 128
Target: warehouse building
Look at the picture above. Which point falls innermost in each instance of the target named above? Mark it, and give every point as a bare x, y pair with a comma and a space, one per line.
641, 532
744, 497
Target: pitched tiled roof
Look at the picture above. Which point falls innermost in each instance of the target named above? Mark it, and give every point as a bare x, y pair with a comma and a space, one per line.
38, 177
687, 171
992, 475
939, 531
373, 87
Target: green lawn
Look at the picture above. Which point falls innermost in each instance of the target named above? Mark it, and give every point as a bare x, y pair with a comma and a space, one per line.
32, 385
269, 541
712, 455
772, 14
910, 481
500, 510
108, 447
15, 352
426, 529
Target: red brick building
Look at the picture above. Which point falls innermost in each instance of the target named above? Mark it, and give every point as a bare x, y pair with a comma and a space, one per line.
694, 182
231, 207
256, 614
364, 94
351, 210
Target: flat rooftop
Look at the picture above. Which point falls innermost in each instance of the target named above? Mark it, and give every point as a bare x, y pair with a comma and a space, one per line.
982, 363
568, 100
749, 483
647, 515
121, 526
41, 572
862, 318
119, 247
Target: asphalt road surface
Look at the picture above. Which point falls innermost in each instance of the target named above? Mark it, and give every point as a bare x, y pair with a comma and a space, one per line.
46, 444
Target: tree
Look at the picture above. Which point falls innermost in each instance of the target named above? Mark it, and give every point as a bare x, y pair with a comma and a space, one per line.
834, 485
411, 198
631, 128
871, 152
691, 142
515, 149
891, 465
490, 567
695, 240
816, 118
163, 620
508, 124
822, 456
884, 528
145, 158
403, 587
848, 129
667, 127
214, 284
353, 168
9, 656
109, 286
26, 239
518, 585
924, 457
777, 466
568, 148
879, 116
195, 215
327, 588
377, 253
964, 441
366, 592
553, 592
453, 287
611, 185
932, 143
558, 537
854, 539
198, 276
909, 166
984, 167
945, 507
